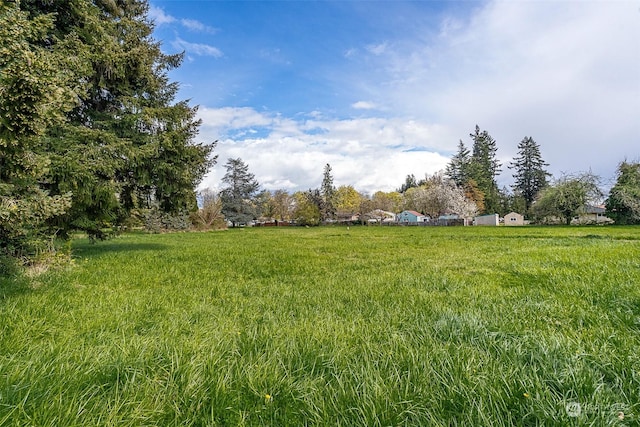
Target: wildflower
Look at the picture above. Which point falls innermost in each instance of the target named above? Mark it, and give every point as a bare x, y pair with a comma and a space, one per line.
527, 395
267, 398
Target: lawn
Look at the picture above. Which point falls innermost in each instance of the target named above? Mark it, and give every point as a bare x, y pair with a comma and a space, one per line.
370, 326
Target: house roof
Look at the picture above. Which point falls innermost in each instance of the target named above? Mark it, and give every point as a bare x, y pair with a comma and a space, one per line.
412, 213
600, 209
381, 212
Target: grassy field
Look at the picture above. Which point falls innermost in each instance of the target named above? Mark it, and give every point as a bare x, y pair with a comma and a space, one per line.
370, 326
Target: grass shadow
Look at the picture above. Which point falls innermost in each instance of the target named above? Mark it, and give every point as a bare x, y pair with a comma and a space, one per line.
87, 250
13, 286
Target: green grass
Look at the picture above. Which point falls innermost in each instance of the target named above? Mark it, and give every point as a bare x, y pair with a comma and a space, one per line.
369, 326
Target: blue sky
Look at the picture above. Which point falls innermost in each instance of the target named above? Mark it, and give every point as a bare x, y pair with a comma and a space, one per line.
382, 89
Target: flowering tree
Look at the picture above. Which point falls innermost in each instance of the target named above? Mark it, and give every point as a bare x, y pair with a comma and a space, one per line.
439, 195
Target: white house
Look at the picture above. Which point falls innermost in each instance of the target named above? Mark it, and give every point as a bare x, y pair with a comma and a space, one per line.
378, 215
593, 214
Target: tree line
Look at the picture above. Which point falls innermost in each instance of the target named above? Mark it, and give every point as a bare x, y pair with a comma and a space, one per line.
467, 187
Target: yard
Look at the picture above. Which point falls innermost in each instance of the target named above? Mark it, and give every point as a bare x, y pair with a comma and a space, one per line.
371, 326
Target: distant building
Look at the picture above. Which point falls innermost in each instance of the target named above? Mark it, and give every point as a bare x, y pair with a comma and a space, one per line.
513, 218
380, 216
448, 217
411, 217
593, 214
492, 219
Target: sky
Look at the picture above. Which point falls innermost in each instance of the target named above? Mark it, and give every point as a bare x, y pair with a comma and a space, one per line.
383, 89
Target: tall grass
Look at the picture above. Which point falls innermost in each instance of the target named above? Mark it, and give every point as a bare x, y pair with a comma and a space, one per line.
328, 326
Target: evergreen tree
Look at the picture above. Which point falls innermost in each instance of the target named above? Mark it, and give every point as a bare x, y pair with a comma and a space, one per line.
238, 204
623, 203
530, 174
409, 182
38, 84
126, 144
458, 167
484, 167
328, 192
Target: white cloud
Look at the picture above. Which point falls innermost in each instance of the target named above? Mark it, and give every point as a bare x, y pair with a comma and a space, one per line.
199, 49
369, 153
364, 105
158, 16
378, 49
195, 25
224, 119
350, 53
565, 73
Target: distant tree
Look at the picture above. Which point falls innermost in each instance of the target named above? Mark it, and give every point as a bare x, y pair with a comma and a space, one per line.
412, 199
409, 182
308, 207
348, 200
510, 201
328, 193
623, 203
282, 205
390, 202
264, 205
567, 197
484, 167
458, 167
366, 210
529, 171
209, 215
473, 193
517, 203
238, 204
440, 195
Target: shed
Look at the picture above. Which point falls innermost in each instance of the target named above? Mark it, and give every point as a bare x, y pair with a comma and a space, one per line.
513, 218
492, 219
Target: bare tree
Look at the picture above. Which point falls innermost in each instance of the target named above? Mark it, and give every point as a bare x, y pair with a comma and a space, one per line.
210, 213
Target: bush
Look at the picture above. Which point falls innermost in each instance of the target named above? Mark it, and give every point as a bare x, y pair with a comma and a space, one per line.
156, 221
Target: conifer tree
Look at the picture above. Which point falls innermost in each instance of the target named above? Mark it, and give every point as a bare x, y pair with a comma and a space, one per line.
127, 144
458, 168
37, 86
238, 204
484, 167
530, 174
328, 193
409, 182
623, 203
